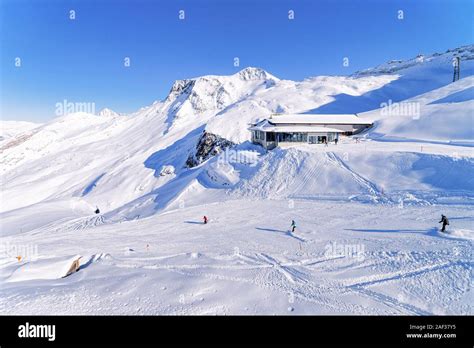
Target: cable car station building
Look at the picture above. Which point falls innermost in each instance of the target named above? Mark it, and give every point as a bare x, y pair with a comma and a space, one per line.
305, 128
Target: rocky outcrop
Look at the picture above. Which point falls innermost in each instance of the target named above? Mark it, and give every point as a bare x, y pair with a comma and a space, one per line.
179, 87
209, 145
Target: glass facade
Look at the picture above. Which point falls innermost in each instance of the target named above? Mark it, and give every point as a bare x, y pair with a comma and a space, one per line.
292, 137
274, 138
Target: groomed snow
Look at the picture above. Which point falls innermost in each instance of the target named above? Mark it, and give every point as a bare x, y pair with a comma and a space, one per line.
344, 258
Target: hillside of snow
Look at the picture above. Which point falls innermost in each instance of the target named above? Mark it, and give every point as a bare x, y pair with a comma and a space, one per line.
10, 130
445, 115
154, 173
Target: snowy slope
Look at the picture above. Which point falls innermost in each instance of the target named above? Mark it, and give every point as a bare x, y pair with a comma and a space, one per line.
445, 114
111, 161
10, 130
72, 152
345, 258
411, 78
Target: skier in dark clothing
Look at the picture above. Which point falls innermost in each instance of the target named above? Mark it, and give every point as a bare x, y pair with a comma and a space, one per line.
335, 141
444, 221
293, 226
204, 218
97, 211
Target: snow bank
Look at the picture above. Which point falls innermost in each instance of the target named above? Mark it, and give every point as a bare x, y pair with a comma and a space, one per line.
51, 268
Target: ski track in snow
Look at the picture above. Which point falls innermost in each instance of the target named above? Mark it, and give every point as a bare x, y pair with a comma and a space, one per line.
296, 280
371, 188
332, 284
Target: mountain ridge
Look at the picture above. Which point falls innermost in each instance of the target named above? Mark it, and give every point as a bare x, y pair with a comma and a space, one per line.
134, 164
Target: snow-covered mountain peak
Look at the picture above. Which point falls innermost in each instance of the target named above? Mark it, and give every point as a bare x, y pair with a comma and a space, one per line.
187, 86
252, 73
106, 112
206, 95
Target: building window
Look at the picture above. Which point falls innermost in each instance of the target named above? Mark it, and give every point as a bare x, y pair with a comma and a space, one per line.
259, 135
270, 136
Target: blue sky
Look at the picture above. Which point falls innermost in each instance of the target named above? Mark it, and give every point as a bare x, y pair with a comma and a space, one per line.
82, 60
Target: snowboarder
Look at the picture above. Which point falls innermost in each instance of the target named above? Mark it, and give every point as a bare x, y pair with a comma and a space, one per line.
293, 226
204, 218
97, 211
444, 221
335, 141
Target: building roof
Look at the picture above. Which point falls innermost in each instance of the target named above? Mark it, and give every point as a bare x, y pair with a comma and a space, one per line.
318, 119
266, 126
